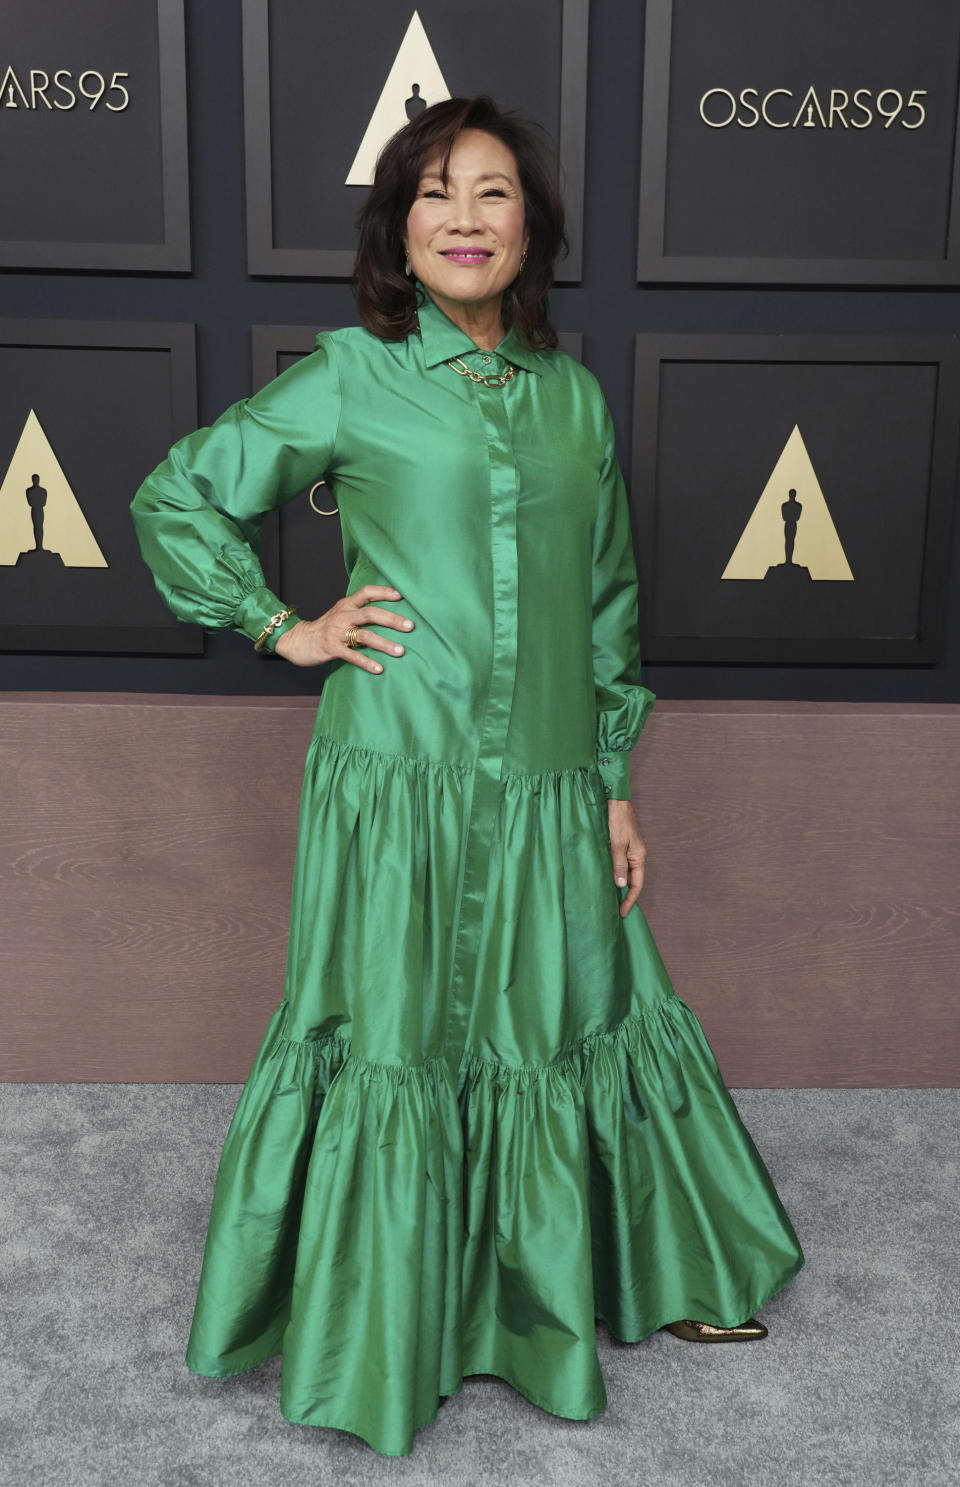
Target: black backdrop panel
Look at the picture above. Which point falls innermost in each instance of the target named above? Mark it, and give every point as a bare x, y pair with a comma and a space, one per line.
608, 306
93, 153
865, 435
302, 551
110, 400
313, 76
855, 181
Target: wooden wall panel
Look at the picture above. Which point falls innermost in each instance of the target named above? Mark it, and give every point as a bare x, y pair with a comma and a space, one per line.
146, 855
802, 883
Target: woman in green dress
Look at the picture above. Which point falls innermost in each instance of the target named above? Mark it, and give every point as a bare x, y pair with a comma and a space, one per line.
480, 1117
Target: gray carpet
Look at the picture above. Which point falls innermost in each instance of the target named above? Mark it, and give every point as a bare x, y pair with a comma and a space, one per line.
105, 1197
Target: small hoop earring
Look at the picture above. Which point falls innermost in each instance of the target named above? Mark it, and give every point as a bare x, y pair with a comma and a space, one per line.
317, 508
523, 259
408, 269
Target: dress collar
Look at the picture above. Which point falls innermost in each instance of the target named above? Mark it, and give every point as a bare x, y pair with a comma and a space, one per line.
443, 340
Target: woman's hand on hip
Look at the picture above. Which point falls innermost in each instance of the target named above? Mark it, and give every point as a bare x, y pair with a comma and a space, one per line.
627, 850
312, 642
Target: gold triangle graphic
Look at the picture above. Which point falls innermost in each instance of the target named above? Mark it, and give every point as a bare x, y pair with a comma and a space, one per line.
779, 514
413, 83
36, 497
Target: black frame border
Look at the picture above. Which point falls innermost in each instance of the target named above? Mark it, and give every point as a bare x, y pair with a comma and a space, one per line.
265, 259
172, 255
179, 339
652, 349
656, 266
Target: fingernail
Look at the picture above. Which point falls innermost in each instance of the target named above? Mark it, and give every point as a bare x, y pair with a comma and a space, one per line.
621, 882
408, 624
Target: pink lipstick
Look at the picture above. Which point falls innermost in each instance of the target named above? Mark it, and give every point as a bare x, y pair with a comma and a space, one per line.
467, 256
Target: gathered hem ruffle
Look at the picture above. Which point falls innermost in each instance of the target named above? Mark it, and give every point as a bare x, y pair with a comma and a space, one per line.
329, 747
399, 1227
331, 1049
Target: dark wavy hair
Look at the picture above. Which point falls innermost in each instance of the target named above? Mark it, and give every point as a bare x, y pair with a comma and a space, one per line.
387, 297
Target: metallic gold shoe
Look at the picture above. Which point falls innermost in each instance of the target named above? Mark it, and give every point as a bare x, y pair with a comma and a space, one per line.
704, 1332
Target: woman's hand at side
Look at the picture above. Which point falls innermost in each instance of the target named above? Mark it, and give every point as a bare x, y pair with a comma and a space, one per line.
627, 849
311, 642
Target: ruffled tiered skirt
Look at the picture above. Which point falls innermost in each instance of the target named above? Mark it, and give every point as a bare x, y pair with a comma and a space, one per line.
419, 1185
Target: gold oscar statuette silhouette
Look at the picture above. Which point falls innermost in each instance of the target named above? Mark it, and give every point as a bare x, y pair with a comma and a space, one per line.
37, 499
788, 573
777, 547
415, 104
400, 99
41, 521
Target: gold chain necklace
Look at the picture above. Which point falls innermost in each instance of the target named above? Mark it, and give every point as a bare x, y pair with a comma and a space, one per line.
492, 381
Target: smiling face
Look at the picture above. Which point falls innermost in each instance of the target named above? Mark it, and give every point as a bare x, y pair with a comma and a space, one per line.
465, 240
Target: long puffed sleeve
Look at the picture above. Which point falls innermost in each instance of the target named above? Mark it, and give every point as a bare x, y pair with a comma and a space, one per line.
623, 702
198, 515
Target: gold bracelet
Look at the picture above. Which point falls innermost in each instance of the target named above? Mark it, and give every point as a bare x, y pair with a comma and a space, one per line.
271, 625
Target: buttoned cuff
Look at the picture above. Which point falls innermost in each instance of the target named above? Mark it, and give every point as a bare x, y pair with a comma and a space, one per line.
255, 612
614, 768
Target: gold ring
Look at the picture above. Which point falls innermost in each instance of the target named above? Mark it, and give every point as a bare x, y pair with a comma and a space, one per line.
317, 508
350, 637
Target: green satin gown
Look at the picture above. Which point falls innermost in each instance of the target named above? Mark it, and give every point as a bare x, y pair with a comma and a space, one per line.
480, 1117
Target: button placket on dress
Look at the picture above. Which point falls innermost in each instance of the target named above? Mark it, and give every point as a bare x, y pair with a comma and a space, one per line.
487, 779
